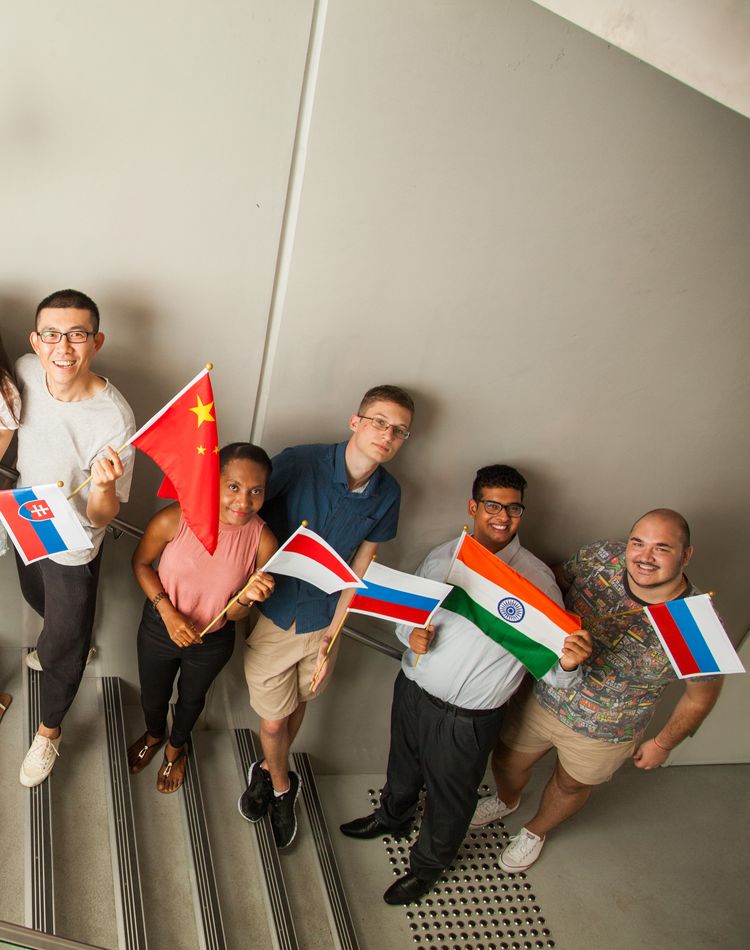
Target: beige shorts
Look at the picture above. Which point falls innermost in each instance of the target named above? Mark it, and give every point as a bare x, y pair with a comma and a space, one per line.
279, 665
530, 728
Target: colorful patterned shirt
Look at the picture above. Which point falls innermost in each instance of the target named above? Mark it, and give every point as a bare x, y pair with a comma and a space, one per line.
628, 670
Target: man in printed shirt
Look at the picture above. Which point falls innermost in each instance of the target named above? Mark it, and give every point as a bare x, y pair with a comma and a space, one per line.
447, 708
598, 724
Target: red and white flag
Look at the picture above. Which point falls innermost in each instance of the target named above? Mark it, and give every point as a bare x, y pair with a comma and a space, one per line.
306, 556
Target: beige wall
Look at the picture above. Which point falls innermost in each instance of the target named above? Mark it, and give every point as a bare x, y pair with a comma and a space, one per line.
545, 239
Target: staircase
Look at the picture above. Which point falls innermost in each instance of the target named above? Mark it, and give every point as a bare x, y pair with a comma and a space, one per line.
109, 862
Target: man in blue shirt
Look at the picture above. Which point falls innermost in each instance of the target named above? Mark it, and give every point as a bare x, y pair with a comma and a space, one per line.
350, 500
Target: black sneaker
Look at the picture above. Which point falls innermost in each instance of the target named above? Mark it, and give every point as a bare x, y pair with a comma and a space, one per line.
256, 798
283, 814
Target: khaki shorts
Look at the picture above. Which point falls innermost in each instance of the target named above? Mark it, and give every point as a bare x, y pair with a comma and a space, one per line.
530, 728
279, 665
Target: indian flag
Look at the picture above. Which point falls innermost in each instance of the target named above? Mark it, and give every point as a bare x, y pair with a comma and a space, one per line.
507, 607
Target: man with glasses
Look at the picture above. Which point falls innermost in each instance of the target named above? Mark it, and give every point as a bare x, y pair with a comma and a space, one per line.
348, 498
598, 724
70, 419
448, 698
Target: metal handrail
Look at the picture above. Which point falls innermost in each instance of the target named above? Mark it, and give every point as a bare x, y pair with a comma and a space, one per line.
14, 935
119, 527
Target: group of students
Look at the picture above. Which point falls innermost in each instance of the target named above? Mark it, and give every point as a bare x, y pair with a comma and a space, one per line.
448, 710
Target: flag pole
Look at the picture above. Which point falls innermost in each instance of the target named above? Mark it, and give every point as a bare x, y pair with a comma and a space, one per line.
466, 528
334, 638
208, 368
237, 596
636, 610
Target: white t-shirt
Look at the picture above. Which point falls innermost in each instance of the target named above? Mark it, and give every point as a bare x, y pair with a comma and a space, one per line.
61, 440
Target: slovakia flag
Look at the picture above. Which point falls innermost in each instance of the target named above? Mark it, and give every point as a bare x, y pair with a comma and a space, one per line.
394, 595
41, 521
308, 557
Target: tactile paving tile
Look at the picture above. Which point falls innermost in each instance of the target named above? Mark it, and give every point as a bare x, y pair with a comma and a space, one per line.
475, 905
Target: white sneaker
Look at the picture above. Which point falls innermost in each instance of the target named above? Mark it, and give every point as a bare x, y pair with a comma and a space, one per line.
32, 659
491, 808
521, 851
39, 761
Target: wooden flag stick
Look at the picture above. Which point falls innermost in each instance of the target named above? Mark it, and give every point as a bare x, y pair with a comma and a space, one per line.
322, 663
231, 603
625, 613
340, 627
84, 484
418, 655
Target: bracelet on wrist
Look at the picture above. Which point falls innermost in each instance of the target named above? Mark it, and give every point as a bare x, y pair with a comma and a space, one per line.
659, 745
157, 600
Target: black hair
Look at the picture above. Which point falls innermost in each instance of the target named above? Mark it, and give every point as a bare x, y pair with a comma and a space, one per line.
244, 451
7, 382
69, 299
497, 476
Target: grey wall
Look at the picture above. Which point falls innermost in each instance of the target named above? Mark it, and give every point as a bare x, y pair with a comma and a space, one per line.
542, 237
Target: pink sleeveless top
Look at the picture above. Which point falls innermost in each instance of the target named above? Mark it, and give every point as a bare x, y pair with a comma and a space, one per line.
199, 584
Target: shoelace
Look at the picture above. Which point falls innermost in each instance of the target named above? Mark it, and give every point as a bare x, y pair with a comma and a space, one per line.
524, 842
41, 753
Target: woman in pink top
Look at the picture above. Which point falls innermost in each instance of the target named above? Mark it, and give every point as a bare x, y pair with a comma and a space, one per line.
182, 597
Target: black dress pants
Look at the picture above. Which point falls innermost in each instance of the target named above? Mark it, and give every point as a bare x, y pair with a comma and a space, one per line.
444, 749
160, 660
65, 597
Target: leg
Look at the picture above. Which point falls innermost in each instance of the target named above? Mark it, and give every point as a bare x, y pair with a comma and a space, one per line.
274, 737
200, 664
404, 779
32, 584
512, 771
295, 722
563, 796
70, 604
455, 750
158, 664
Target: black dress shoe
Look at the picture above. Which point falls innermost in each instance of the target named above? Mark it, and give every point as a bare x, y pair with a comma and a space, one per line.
371, 827
407, 889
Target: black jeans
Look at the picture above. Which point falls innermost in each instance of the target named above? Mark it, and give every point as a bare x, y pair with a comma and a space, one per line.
65, 597
159, 661
445, 750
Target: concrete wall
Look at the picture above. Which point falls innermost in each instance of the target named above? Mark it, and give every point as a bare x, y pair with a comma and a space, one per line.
542, 237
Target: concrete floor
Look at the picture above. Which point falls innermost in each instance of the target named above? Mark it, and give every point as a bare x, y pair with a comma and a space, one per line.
657, 860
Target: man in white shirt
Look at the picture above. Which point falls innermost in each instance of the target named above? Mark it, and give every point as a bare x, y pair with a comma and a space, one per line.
447, 708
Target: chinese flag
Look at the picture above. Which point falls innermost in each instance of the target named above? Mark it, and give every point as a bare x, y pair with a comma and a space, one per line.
182, 440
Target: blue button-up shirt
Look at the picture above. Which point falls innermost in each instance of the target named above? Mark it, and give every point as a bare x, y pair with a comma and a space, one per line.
309, 483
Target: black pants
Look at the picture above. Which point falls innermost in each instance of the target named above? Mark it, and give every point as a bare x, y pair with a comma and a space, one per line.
445, 750
65, 597
159, 661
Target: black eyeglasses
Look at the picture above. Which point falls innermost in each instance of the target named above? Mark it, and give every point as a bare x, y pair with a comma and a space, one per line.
515, 509
72, 336
383, 425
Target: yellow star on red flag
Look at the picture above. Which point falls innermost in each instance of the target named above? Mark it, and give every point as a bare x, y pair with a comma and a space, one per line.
203, 411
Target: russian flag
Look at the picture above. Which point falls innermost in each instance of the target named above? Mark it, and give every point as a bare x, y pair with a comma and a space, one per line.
308, 557
41, 521
394, 595
693, 637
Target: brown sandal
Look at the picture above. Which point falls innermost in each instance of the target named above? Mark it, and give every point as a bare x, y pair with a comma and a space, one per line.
5, 700
141, 752
172, 772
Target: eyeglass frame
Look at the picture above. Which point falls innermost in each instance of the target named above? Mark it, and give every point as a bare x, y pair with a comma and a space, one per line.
399, 432
501, 507
65, 334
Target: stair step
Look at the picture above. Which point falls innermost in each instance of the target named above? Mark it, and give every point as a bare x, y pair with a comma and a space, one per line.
131, 926
283, 933
12, 793
339, 915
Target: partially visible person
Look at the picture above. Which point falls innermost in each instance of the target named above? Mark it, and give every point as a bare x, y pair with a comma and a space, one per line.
10, 410
70, 419
345, 494
189, 588
598, 724
447, 708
